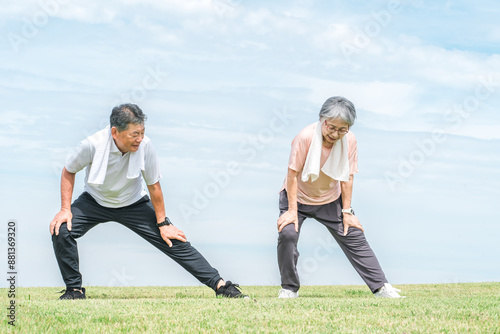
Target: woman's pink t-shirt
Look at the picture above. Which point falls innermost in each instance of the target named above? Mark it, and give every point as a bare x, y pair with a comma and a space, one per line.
325, 189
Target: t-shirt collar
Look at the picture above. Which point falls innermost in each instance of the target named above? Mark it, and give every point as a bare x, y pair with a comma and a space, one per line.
114, 148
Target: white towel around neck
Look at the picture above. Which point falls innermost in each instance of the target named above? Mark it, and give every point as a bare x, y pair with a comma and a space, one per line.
102, 141
337, 164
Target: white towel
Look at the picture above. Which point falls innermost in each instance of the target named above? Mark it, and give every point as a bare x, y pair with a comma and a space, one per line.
102, 142
337, 164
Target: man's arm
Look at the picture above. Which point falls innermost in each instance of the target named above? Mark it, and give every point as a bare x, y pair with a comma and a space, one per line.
349, 220
64, 215
290, 217
170, 231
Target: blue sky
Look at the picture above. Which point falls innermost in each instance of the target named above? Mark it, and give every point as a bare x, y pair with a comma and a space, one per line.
226, 85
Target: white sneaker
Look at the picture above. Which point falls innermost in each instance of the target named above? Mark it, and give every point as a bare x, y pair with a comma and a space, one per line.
388, 291
284, 293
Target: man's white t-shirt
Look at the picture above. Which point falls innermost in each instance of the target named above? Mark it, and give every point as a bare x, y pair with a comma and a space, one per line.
117, 190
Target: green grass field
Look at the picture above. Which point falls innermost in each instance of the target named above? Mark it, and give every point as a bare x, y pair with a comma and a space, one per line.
439, 308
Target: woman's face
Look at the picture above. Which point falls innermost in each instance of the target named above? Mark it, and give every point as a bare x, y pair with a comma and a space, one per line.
333, 130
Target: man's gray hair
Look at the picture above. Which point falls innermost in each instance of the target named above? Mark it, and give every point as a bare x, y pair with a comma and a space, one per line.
126, 114
338, 107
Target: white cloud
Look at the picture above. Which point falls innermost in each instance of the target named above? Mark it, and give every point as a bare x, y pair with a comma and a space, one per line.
263, 22
384, 98
184, 6
332, 36
246, 44
13, 8
158, 31
21, 131
449, 68
89, 11
84, 11
93, 11
477, 130
15, 122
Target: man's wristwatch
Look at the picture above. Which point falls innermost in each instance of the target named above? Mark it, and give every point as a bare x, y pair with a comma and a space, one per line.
166, 222
349, 211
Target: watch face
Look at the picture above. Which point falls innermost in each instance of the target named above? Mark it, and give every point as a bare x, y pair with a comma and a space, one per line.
167, 222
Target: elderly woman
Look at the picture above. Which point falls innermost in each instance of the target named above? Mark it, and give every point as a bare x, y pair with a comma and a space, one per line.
319, 185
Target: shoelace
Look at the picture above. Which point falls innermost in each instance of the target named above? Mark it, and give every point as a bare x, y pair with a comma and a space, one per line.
66, 291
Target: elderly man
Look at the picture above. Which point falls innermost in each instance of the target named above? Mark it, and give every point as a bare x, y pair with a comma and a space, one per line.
319, 184
117, 160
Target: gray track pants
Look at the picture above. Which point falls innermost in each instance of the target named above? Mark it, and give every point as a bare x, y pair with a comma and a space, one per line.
140, 218
354, 244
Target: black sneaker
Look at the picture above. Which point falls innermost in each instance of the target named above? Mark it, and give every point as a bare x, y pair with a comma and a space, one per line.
73, 294
230, 290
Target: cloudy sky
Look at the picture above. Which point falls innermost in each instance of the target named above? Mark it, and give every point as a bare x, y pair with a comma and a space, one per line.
226, 85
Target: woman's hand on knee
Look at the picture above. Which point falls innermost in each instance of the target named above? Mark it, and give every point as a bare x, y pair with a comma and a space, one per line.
289, 217
351, 221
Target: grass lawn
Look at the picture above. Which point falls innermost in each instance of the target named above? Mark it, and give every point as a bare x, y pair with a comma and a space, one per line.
430, 308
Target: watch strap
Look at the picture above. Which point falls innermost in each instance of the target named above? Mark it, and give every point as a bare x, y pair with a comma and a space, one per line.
166, 222
349, 211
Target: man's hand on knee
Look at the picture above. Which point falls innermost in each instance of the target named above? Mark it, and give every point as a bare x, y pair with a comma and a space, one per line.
63, 216
171, 232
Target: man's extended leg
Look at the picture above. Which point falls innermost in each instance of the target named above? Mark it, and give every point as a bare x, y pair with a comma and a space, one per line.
86, 214
140, 218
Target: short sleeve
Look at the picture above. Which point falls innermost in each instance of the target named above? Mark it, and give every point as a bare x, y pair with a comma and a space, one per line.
151, 173
81, 158
300, 147
353, 153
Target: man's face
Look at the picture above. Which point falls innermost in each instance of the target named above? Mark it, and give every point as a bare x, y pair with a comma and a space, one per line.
333, 130
130, 139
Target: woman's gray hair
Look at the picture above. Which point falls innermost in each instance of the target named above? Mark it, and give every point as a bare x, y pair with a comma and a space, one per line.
125, 114
338, 107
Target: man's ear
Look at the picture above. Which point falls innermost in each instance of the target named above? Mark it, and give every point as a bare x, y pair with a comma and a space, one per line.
114, 132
